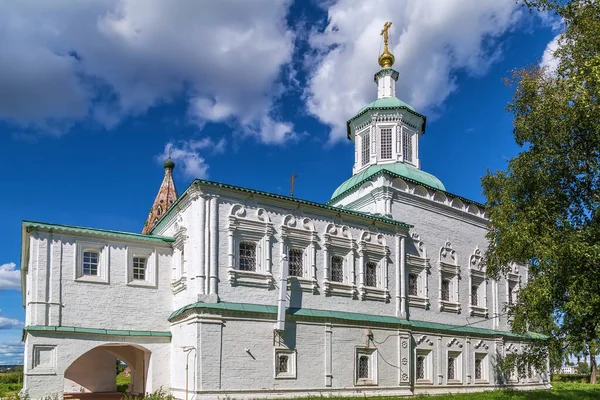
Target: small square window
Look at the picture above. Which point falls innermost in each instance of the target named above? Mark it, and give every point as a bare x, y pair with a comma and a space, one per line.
247, 256
295, 263
412, 285
371, 274
139, 268
90, 262
285, 364
366, 366
337, 269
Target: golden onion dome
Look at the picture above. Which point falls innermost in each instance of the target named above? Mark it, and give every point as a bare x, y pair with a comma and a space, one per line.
386, 59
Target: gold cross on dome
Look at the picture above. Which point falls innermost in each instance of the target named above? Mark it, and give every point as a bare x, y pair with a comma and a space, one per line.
384, 33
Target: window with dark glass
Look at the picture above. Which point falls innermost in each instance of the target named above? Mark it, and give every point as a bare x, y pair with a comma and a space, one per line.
247, 256
295, 262
446, 290
407, 146
412, 285
451, 368
371, 274
478, 368
366, 148
283, 364
474, 295
90, 262
510, 295
386, 143
139, 268
420, 367
363, 367
337, 269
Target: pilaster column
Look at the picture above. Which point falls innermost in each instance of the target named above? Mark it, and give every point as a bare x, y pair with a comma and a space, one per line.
200, 267
214, 248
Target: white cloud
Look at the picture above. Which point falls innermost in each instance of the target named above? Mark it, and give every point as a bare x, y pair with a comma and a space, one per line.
10, 276
430, 39
548, 60
9, 323
186, 155
64, 61
11, 352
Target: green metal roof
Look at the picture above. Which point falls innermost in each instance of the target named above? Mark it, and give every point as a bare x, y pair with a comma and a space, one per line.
353, 317
399, 169
94, 231
389, 102
280, 197
95, 331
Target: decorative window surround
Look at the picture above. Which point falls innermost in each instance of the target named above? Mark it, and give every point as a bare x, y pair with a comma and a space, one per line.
449, 269
481, 371
151, 266
478, 279
103, 251
284, 363
419, 266
301, 234
257, 229
457, 358
513, 282
366, 367
373, 248
179, 283
427, 367
338, 241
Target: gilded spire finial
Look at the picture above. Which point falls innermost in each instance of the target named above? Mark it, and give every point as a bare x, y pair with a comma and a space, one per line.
386, 59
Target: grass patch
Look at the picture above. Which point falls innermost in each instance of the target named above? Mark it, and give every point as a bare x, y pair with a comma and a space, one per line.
123, 383
9, 389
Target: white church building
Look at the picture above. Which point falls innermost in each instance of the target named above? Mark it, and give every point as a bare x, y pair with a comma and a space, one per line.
236, 292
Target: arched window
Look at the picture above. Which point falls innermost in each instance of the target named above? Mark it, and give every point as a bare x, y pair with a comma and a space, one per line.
90, 262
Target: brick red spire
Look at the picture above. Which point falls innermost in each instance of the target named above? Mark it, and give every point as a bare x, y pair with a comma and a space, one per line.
167, 194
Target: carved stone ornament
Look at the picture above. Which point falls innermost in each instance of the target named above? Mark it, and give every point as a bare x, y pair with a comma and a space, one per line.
425, 339
455, 341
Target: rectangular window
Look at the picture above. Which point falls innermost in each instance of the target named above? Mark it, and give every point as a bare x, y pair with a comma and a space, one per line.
363, 367
90, 262
366, 148
247, 256
510, 296
474, 295
478, 374
295, 258
407, 145
451, 368
386, 143
139, 268
371, 274
412, 285
420, 367
337, 269
366, 367
283, 366
446, 290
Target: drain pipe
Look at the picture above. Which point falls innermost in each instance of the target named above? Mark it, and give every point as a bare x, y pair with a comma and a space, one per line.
281, 302
188, 350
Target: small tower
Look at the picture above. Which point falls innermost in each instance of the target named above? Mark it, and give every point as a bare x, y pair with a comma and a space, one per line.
167, 194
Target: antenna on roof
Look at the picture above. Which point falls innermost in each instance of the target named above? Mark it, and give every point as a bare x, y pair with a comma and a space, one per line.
292, 180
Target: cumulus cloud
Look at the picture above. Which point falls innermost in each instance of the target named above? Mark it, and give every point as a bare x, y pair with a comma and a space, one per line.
430, 39
186, 155
10, 276
66, 61
9, 323
11, 352
548, 60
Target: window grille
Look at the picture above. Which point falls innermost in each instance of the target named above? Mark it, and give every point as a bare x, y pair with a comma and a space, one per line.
283, 364
386, 143
363, 367
407, 145
371, 274
510, 295
478, 368
295, 262
446, 290
247, 256
337, 269
474, 295
412, 285
451, 365
139, 268
420, 367
90, 262
366, 148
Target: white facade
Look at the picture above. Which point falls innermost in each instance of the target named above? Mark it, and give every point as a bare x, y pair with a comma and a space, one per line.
261, 295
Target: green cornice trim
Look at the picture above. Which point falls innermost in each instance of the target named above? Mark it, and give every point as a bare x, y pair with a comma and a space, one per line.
291, 200
382, 171
94, 331
354, 318
31, 225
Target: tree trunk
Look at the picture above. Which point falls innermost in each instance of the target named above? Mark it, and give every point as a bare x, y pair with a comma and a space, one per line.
592, 367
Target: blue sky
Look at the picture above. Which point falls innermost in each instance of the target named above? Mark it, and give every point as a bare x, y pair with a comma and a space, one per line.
93, 95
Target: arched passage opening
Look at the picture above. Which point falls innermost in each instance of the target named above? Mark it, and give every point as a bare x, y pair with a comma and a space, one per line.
95, 371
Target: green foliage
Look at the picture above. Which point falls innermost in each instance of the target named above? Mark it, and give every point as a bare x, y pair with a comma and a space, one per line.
123, 383
11, 377
571, 378
583, 368
545, 208
158, 394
